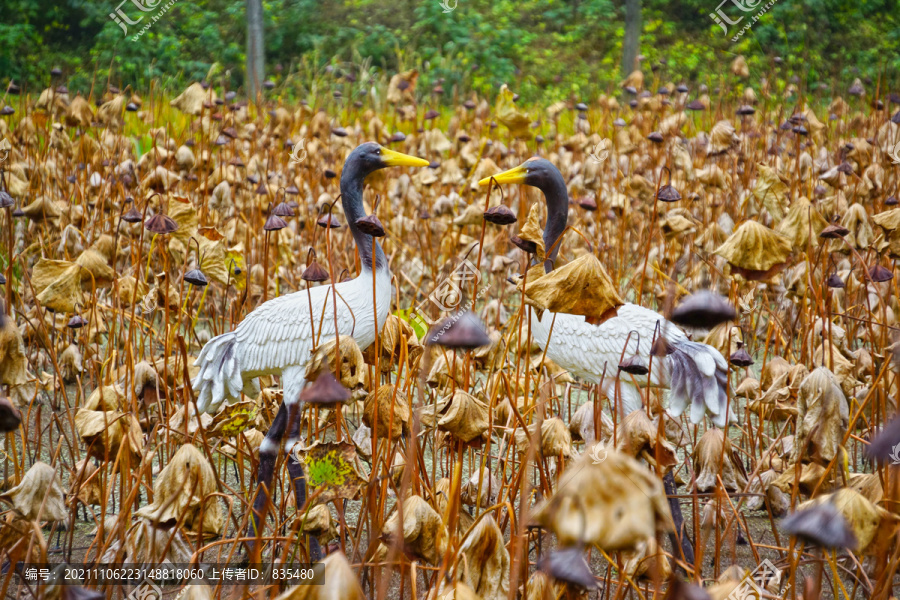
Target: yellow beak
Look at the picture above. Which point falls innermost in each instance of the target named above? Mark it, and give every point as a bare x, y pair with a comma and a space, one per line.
396, 159
514, 175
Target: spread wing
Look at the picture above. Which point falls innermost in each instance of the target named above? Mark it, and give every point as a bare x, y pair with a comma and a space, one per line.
585, 349
280, 332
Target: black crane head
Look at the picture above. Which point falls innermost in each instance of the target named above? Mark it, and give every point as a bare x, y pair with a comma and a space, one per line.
370, 157
537, 172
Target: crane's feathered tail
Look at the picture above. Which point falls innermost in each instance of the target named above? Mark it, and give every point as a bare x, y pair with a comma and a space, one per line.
220, 375
698, 373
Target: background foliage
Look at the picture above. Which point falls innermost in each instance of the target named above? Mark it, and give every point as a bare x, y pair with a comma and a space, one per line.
550, 49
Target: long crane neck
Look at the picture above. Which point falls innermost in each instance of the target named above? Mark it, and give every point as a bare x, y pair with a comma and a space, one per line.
557, 199
352, 181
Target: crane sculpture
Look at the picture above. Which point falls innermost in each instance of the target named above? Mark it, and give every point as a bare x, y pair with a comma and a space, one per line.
692, 371
277, 337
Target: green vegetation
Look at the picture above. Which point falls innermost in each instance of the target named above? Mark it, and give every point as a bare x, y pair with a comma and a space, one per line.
547, 49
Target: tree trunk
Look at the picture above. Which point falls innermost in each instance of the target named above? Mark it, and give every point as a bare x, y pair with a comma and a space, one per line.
255, 53
632, 42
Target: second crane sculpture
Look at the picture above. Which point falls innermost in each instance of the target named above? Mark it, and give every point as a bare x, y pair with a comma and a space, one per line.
694, 372
276, 338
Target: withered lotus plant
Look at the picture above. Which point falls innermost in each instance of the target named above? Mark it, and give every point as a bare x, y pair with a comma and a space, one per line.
844, 519
39, 496
353, 371
182, 494
421, 534
387, 411
714, 457
466, 417
339, 582
615, 505
487, 560
582, 287
755, 251
823, 418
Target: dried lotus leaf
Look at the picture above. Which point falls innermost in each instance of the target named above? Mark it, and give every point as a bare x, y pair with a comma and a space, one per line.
42, 208
191, 100
466, 417
510, 116
39, 496
771, 191
103, 432
339, 582
387, 411
353, 367
582, 287
96, 265
487, 559
872, 525
722, 138
714, 458
422, 532
57, 284
183, 491
85, 483
555, 438
332, 470
110, 113
823, 418
755, 249
615, 504
860, 235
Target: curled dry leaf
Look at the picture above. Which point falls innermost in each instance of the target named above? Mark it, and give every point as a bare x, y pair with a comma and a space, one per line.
771, 191
616, 504
639, 438
509, 115
85, 484
555, 439
39, 496
755, 251
824, 416
57, 284
191, 100
339, 582
353, 368
12, 360
332, 470
182, 494
422, 532
149, 544
466, 417
104, 432
648, 560
802, 225
714, 457
873, 526
481, 489
487, 559
387, 411
581, 287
